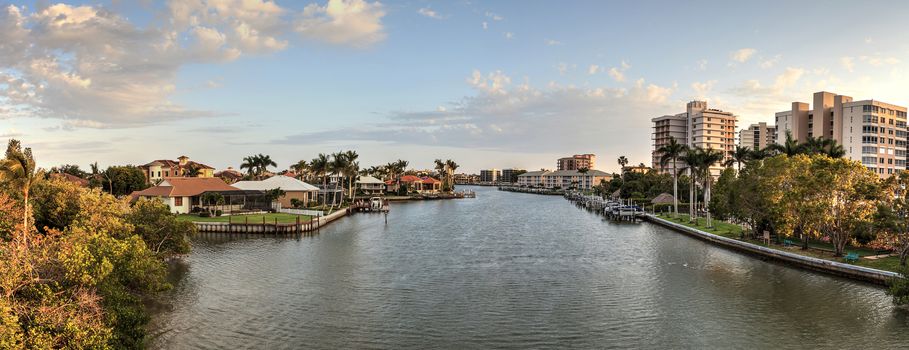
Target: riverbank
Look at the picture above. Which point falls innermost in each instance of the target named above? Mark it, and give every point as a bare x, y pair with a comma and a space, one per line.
543, 191
298, 226
861, 273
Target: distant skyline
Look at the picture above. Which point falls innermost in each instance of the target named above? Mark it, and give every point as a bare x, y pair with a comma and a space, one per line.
488, 84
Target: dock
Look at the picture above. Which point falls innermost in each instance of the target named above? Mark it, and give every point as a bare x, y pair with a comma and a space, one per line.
616, 210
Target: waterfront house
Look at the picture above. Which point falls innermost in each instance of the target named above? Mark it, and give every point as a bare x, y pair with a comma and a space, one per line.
183, 193
183, 167
230, 175
293, 189
430, 185
370, 185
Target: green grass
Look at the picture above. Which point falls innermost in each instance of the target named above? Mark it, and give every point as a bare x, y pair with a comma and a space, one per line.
726, 229
253, 218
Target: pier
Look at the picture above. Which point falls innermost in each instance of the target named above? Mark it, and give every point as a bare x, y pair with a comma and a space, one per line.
618, 210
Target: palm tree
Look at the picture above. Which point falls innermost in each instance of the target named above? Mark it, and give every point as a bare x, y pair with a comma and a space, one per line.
708, 157
337, 166
790, 148
351, 168
263, 162
249, 163
319, 166
739, 157
452, 166
760, 154
301, 167
622, 163
440, 169
692, 158
670, 152
18, 171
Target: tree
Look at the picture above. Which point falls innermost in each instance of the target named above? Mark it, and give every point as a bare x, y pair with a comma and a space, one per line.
692, 158
850, 193
739, 157
162, 233
790, 147
319, 166
18, 171
451, 167
300, 167
123, 180
707, 158
337, 166
71, 169
210, 199
892, 218
671, 152
351, 167
622, 163
722, 202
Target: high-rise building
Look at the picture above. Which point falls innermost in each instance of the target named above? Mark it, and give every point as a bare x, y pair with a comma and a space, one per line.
576, 162
757, 136
698, 126
511, 175
870, 131
490, 175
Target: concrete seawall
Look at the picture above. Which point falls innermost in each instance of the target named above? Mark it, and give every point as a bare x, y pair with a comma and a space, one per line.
831, 267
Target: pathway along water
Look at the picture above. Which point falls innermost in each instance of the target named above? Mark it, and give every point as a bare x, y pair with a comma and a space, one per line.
507, 270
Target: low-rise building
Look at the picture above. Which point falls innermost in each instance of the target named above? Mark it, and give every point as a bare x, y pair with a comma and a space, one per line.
181, 194
293, 189
563, 179
370, 185
182, 167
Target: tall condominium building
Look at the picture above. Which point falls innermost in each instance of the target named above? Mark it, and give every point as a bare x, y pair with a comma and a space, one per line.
757, 136
490, 175
870, 131
576, 162
511, 175
698, 126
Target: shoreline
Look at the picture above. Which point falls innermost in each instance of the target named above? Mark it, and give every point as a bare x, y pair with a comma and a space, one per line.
853, 272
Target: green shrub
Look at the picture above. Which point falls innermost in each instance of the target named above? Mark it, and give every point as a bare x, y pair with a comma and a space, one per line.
218, 212
899, 288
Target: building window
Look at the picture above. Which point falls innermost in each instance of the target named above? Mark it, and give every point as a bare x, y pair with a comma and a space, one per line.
178, 201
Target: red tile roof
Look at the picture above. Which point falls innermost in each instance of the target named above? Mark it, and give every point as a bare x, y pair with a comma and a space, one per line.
429, 180
410, 178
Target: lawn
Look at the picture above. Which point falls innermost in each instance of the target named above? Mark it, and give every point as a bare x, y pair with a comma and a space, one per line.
253, 218
726, 229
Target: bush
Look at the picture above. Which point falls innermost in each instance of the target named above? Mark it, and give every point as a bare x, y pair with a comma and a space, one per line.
218, 212
196, 210
899, 288
204, 214
296, 203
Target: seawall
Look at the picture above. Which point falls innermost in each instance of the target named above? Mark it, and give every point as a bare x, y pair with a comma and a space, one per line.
826, 266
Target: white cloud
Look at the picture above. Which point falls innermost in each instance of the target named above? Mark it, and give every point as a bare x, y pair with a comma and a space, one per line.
877, 60
508, 117
562, 67
552, 42
92, 67
742, 55
509, 35
428, 12
593, 69
494, 16
848, 63
702, 89
616, 74
349, 22
702, 64
767, 63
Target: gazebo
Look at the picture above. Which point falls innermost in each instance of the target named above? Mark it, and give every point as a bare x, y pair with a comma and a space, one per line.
663, 198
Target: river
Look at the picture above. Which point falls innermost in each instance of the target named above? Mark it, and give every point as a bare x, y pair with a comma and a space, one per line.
506, 270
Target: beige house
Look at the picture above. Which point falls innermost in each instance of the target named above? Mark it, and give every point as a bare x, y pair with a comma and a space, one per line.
870, 131
293, 189
164, 168
370, 185
182, 193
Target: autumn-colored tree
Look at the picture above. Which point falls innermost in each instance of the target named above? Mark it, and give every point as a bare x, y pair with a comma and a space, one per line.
892, 219
849, 195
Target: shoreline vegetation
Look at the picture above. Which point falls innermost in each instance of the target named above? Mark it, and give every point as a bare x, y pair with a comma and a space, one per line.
80, 258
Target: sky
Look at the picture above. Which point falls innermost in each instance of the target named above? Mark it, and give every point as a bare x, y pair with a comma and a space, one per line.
496, 84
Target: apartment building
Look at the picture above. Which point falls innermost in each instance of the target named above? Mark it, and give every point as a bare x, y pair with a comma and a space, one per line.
698, 126
870, 131
511, 175
490, 175
758, 136
576, 162
563, 179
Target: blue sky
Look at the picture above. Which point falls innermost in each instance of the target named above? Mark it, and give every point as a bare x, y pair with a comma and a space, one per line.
488, 84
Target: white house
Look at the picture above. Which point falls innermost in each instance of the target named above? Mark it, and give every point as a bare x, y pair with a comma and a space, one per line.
370, 185
293, 188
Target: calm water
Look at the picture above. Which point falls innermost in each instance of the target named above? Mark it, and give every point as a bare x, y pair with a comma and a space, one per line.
507, 270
